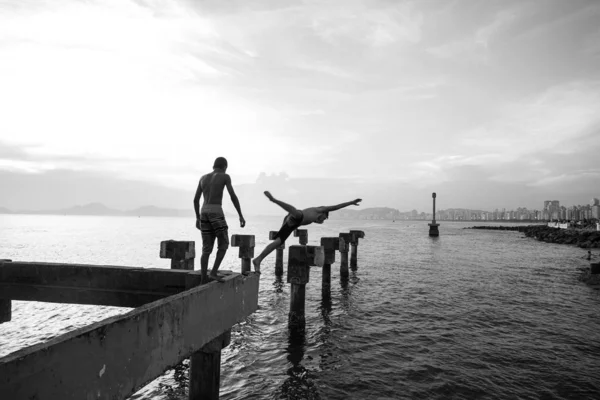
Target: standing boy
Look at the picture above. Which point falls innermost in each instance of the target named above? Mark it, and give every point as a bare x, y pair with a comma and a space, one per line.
211, 219
294, 220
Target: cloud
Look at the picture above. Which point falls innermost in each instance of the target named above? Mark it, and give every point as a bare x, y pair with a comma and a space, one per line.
542, 140
373, 26
551, 121
475, 46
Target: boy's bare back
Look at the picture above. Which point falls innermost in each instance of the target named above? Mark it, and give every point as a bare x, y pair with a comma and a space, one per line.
212, 185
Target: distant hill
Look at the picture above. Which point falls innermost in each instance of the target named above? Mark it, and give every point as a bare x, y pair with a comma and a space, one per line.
90, 209
152, 211
101, 209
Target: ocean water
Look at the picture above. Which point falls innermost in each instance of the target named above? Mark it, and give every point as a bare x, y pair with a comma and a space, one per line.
472, 314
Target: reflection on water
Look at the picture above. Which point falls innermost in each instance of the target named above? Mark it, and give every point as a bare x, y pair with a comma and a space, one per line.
300, 383
278, 284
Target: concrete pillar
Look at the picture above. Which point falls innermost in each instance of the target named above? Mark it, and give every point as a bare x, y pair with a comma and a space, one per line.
433, 226
205, 364
278, 255
246, 245
330, 246
354, 236
302, 234
5, 304
300, 259
181, 253
205, 369
5, 310
345, 240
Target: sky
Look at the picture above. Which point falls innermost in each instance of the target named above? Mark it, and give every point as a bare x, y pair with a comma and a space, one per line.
491, 104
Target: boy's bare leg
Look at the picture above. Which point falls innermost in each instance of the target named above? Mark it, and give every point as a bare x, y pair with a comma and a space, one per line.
287, 207
270, 247
204, 264
218, 258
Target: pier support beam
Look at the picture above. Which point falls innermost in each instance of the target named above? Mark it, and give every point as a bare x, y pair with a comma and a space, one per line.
5, 310
302, 235
205, 369
301, 258
330, 246
345, 240
5, 304
354, 236
278, 255
246, 245
91, 284
181, 253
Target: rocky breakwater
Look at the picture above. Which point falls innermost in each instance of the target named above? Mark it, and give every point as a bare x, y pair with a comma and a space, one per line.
586, 239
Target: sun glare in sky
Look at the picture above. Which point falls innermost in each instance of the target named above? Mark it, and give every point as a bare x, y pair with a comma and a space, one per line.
417, 93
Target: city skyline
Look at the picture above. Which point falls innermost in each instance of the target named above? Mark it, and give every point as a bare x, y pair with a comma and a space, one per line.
551, 210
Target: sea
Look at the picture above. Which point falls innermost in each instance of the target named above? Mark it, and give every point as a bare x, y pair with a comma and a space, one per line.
471, 314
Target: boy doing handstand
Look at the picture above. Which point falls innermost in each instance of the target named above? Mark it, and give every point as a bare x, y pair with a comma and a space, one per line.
294, 220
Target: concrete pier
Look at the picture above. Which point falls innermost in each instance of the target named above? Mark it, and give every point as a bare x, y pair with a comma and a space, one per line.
355, 235
300, 259
181, 253
302, 235
113, 358
345, 240
278, 255
246, 245
330, 246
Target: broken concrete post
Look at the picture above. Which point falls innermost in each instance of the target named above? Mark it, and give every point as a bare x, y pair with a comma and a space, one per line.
246, 245
205, 369
300, 259
302, 234
278, 255
354, 236
330, 246
344, 249
5, 304
181, 253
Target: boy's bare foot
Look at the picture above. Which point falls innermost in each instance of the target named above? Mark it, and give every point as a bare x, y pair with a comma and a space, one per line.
256, 263
269, 195
216, 278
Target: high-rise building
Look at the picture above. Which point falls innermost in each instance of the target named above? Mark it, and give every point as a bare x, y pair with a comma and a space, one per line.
594, 202
551, 209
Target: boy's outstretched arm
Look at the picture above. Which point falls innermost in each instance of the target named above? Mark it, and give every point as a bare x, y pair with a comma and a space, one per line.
346, 204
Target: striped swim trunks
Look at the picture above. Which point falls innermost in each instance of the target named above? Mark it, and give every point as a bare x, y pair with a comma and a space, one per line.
213, 226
